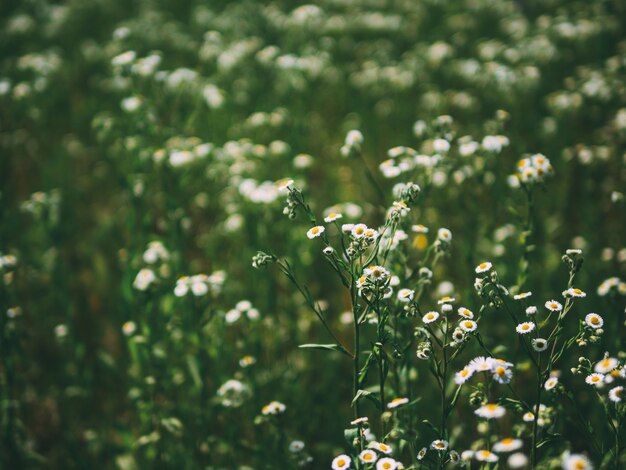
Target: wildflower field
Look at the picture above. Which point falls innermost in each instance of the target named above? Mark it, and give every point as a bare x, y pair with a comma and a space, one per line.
376, 234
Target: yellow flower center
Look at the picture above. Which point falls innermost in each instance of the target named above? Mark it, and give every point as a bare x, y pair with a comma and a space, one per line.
492, 407
468, 324
483, 266
367, 457
341, 462
594, 320
314, 230
507, 440
383, 447
501, 371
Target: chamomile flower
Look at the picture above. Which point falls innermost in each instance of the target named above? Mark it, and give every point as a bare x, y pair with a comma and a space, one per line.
439, 445
341, 462
522, 295
347, 228
531, 310
419, 228
595, 379
396, 402
422, 453
446, 300
593, 320
540, 344
296, 446
358, 231
444, 235
129, 328
574, 292
517, 460
463, 375
502, 374
524, 328
508, 444
606, 365
430, 317
485, 456
358, 421
368, 456
406, 295
381, 447
528, 417
332, 217
247, 361
144, 279
481, 363
576, 462
483, 267
465, 313
386, 463
550, 384
616, 394
284, 185
273, 408
468, 325
553, 306
315, 232
490, 411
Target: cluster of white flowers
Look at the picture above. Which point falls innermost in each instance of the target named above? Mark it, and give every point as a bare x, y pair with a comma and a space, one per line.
243, 307
500, 369
200, 284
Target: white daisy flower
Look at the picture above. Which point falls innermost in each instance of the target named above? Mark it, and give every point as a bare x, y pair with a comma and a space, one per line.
468, 325
463, 375
483, 267
247, 361
439, 445
419, 228
296, 446
502, 374
446, 300
341, 462
358, 230
465, 313
481, 363
485, 456
406, 295
576, 462
273, 408
444, 235
422, 453
358, 421
315, 232
616, 393
129, 328
595, 379
396, 402
386, 463
518, 460
381, 447
430, 317
508, 444
550, 384
574, 292
531, 310
524, 328
144, 279
284, 185
595, 321
528, 417
332, 217
490, 411
554, 306
606, 365
368, 456
441, 145
540, 344
522, 295
347, 228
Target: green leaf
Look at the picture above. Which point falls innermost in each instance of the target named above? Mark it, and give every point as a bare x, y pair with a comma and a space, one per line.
326, 347
366, 394
192, 364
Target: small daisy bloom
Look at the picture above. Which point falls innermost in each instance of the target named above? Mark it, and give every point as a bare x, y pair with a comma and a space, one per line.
273, 408
574, 292
554, 306
517, 460
359, 230
296, 446
406, 295
347, 228
430, 317
284, 185
490, 411
483, 267
550, 384
485, 456
315, 232
615, 394
525, 327
386, 463
522, 295
508, 444
531, 310
422, 453
595, 379
481, 363
444, 235
528, 417
455, 457
368, 456
358, 421
396, 402
540, 344
446, 300
463, 375
332, 217
419, 228
576, 462
593, 320
606, 365
341, 462
466, 313
468, 325
381, 447
439, 445
502, 374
